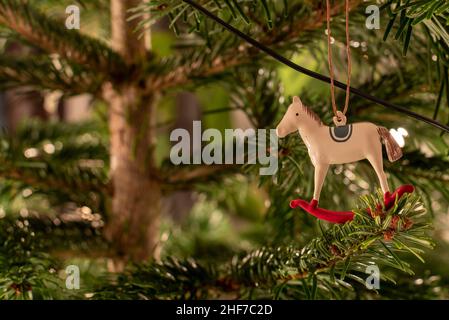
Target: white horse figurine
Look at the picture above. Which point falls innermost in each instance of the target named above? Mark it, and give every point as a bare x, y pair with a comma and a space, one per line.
338, 145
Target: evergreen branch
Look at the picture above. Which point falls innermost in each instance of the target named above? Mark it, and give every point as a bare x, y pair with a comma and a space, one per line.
27, 271
57, 158
42, 73
331, 261
230, 58
52, 36
433, 15
359, 241
44, 177
406, 15
24, 266
416, 164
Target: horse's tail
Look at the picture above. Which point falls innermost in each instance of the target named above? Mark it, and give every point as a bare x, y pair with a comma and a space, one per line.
394, 151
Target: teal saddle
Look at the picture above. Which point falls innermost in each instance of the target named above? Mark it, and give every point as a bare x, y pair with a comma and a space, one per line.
341, 133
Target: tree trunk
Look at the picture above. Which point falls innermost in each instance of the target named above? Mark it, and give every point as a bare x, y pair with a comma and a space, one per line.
133, 224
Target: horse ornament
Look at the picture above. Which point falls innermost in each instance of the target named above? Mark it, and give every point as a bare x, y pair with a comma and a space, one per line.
344, 143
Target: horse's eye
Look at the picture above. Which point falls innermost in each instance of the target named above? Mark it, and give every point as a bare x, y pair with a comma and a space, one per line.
297, 114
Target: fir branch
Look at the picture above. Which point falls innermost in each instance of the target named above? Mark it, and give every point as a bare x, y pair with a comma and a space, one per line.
56, 158
73, 182
26, 271
433, 15
416, 164
333, 260
42, 73
245, 53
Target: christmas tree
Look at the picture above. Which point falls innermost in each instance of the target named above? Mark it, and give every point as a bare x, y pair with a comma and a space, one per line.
97, 209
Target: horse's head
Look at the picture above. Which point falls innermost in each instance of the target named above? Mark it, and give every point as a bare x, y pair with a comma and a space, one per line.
295, 117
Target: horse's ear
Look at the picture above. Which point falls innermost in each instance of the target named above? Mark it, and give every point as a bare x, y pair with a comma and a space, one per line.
297, 100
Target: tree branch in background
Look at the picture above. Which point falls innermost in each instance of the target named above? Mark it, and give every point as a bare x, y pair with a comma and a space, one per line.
56, 158
45, 177
327, 265
245, 53
42, 73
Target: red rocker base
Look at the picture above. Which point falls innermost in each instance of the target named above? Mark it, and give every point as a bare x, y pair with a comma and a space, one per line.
344, 216
389, 199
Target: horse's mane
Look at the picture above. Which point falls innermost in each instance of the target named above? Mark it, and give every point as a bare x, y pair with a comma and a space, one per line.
312, 115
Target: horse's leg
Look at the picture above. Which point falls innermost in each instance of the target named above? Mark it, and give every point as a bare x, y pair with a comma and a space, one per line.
320, 174
377, 162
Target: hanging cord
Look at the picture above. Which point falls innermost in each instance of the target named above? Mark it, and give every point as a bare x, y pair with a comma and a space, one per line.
311, 73
329, 58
